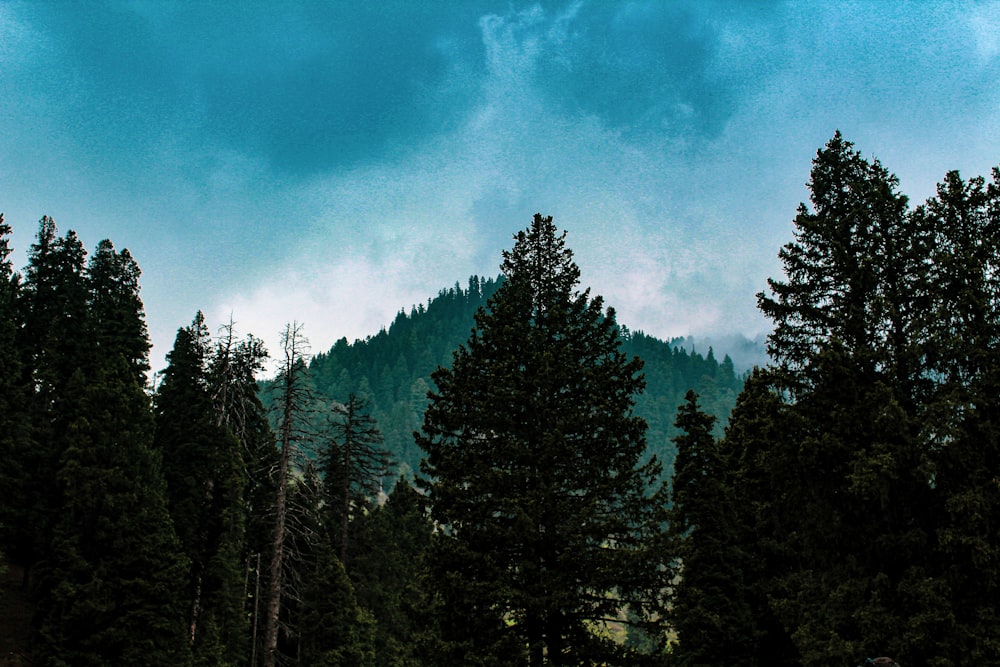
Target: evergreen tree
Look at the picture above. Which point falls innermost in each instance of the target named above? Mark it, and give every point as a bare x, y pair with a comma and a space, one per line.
765, 496
710, 611
204, 470
110, 586
324, 621
335, 631
55, 342
293, 404
15, 532
848, 342
116, 309
233, 367
353, 464
536, 475
964, 354
389, 575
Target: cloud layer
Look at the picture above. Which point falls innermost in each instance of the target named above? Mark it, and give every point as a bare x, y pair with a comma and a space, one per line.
333, 163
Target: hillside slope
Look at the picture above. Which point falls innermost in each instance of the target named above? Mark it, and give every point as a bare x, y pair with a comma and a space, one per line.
393, 368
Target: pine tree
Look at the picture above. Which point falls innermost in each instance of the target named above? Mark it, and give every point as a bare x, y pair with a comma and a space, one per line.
849, 345
536, 472
293, 404
389, 575
109, 588
53, 301
764, 496
710, 611
204, 470
964, 353
15, 528
353, 464
116, 309
233, 367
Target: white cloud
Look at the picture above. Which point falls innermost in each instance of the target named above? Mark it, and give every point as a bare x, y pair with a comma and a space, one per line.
984, 20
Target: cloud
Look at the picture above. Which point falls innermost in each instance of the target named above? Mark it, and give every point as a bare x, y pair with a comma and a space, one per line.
335, 162
384, 236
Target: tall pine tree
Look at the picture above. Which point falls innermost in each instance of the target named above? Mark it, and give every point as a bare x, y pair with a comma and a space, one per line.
108, 587
536, 473
710, 611
204, 470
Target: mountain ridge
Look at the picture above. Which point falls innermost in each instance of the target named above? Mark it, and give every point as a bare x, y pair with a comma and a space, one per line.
392, 369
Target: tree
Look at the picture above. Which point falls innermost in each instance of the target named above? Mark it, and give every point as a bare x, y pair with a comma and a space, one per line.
204, 470
764, 497
850, 344
293, 402
353, 465
536, 473
15, 527
109, 588
389, 575
53, 300
964, 354
232, 370
116, 309
710, 611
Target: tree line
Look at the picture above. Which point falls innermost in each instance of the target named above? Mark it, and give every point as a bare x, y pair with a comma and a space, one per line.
848, 507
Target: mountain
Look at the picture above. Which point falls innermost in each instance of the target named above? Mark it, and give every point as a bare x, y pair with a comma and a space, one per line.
392, 370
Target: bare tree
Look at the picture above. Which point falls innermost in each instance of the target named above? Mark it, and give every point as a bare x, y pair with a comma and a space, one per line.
354, 462
293, 403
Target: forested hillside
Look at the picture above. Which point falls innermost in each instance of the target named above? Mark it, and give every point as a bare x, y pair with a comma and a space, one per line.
392, 370
841, 502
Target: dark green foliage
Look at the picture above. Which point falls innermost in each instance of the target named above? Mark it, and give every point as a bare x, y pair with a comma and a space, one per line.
354, 465
393, 370
764, 497
535, 473
53, 301
116, 311
15, 528
864, 463
89, 519
389, 578
334, 630
204, 470
111, 582
711, 610
964, 354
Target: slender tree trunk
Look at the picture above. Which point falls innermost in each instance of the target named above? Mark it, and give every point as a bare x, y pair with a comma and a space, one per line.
278, 553
346, 495
195, 607
288, 415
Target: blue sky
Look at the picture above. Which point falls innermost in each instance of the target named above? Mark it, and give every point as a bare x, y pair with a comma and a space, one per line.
334, 162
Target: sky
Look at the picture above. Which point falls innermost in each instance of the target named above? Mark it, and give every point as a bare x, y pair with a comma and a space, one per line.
332, 163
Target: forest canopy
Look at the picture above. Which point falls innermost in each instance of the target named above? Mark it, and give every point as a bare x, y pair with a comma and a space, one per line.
507, 475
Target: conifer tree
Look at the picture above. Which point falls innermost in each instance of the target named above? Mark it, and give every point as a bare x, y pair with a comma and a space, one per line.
536, 473
55, 342
204, 470
15, 531
109, 590
964, 353
710, 611
848, 342
353, 465
764, 496
293, 405
389, 575
116, 309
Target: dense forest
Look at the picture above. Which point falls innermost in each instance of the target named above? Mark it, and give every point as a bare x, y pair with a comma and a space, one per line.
392, 371
508, 476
